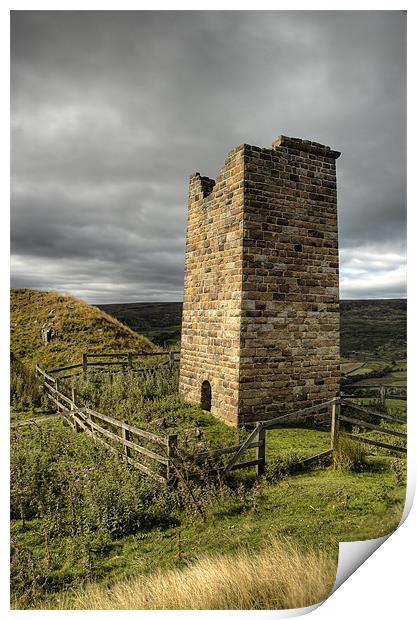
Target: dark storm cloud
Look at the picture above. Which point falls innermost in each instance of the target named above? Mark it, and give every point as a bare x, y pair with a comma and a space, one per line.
111, 112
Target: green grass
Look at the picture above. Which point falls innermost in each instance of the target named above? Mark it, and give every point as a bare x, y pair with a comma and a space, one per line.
305, 442
79, 327
316, 509
18, 414
68, 472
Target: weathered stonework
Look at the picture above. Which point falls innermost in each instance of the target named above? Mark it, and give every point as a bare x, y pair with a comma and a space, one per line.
261, 292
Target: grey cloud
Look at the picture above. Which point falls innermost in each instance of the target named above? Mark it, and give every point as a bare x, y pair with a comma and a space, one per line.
111, 112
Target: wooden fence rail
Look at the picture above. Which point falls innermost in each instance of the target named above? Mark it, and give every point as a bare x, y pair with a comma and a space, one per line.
165, 465
108, 360
367, 426
381, 392
157, 465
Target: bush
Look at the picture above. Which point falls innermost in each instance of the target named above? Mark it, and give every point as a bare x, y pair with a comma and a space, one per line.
81, 486
25, 387
349, 455
399, 469
282, 465
84, 497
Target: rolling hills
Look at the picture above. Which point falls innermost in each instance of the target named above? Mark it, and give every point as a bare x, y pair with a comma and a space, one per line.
73, 325
368, 327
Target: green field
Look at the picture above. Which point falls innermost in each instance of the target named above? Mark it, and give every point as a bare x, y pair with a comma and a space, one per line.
80, 516
139, 534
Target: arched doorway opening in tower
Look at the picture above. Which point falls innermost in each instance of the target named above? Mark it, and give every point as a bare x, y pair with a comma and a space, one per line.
206, 396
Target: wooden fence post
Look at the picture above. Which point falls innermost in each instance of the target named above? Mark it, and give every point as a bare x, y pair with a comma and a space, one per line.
85, 363
73, 406
126, 437
170, 360
172, 443
335, 411
382, 394
57, 386
129, 361
73, 398
260, 451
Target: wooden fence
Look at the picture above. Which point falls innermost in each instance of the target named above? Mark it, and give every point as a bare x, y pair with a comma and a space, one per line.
119, 362
167, 463
380, 392
150, 453
338, 418
161, 458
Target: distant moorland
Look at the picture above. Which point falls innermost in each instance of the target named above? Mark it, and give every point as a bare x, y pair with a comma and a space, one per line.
368, 327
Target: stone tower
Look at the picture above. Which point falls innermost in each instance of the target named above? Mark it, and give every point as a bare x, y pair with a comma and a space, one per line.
260, 327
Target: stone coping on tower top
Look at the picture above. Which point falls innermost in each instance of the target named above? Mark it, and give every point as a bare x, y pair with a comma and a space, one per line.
305, 145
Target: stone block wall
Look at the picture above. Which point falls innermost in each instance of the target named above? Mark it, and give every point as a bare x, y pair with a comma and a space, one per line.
210, 337
261, 297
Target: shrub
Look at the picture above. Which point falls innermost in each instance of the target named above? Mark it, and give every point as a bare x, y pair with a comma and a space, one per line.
399, 469
81, 486
349, 455
25, 387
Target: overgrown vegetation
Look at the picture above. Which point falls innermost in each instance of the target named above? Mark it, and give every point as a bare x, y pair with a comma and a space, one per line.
150, 400
82, 497
25, 387
83, 522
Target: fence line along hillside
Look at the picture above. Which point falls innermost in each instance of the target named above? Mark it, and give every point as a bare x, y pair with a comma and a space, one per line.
160, 456
54, 329
124, 362
133, 442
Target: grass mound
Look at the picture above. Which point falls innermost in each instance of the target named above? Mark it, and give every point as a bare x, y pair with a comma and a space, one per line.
280, 576
77, 327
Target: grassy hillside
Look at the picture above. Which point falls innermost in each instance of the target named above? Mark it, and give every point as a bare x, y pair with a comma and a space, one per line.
78, 327
375, 328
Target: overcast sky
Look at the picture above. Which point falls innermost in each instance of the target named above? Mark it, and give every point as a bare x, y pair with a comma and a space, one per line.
112, 111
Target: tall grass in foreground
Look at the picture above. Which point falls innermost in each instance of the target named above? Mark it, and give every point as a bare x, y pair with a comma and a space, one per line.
349, 455
280, 576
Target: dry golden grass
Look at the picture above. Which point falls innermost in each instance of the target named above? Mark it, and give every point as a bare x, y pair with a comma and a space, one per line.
281, 576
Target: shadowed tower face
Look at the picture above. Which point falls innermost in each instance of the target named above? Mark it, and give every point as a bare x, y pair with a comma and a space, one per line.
260, 327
